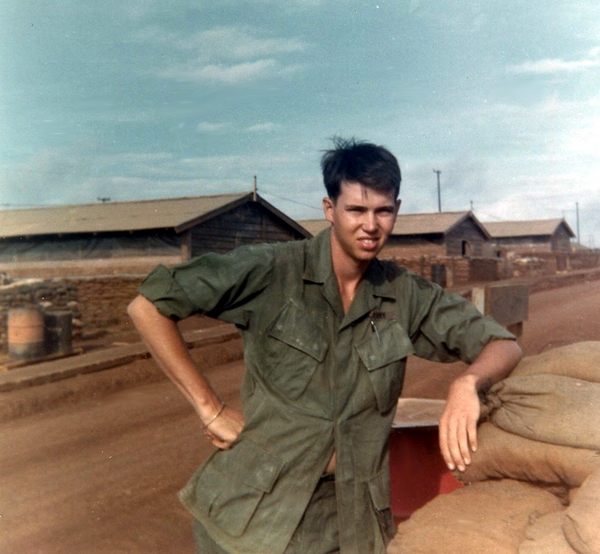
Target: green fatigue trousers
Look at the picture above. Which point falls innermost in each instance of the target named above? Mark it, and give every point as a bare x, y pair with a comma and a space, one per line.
317, 532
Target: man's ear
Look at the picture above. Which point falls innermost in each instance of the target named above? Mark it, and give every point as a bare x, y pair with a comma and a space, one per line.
398, 204
328, 205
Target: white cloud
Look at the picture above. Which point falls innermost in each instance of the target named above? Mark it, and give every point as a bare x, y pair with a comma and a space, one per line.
226, 55
594, 52
266, 127
226, 74
238, 43
207, 127
146, 9
551, 66
237, 165
134, 157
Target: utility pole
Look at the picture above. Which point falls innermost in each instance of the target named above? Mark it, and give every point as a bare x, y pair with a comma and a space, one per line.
471, 201
437, 172
577, 211
254, 189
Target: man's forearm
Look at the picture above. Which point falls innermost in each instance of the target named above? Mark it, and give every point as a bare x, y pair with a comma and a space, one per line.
458, 424
170, 352
497, 359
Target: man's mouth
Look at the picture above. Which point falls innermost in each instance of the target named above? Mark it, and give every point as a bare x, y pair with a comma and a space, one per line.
369, 243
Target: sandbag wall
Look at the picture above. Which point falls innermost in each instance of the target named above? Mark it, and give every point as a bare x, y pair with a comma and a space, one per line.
534, 483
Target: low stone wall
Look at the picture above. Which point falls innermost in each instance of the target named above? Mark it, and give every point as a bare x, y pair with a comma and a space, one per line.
537, 264
103, 300
564, 280
459, 270
465, 270
110, 266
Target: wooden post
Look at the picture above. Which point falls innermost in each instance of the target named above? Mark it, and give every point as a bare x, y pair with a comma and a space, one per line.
507, 304
186, 246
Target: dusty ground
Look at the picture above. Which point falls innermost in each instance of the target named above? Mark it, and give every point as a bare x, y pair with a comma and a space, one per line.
100, 475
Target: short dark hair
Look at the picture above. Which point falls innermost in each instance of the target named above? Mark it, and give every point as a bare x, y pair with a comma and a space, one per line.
370, 165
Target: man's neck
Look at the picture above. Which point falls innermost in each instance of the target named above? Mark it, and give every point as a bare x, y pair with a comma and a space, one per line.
348, 273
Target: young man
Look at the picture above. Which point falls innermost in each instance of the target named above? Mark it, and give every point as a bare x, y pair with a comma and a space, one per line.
327, 328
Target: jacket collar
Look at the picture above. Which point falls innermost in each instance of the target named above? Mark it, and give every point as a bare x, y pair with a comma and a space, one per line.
319, 269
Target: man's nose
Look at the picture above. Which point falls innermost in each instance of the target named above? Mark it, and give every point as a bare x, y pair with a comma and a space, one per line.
370, 222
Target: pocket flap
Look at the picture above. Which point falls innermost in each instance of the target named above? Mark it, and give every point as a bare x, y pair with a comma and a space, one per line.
389, 344
294, 327
255, 467
229, 487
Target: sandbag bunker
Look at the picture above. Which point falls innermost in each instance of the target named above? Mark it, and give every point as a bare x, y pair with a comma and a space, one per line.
533, 486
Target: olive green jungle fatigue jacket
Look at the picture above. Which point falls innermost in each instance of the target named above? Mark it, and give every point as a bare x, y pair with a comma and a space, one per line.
316, 380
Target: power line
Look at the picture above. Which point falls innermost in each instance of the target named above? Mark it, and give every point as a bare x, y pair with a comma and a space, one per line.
289, 200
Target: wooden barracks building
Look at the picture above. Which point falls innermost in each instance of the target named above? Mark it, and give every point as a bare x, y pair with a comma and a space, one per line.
178, 227
544, 235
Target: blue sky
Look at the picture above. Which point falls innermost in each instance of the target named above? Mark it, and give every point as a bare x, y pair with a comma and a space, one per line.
153, 99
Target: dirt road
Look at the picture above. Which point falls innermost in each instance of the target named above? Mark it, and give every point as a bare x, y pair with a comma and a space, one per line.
556, 317
100, 476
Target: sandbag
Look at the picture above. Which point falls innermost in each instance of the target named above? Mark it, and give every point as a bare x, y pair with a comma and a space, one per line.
545, 536
505, 455
548, 408
485, 517
582, 522
580, 361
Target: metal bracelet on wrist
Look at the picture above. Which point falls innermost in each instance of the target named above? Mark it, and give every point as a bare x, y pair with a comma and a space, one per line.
220, 410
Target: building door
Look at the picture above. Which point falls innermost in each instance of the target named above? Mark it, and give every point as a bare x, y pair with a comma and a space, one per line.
465, 248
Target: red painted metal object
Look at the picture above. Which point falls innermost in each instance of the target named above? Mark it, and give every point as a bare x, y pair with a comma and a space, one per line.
418, 471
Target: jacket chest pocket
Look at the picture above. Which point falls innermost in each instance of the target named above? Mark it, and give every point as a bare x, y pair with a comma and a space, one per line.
294, 347
384, 355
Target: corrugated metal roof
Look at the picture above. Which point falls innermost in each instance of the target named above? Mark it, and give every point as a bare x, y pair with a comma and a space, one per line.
428, 224
314, 226
535, 228
113, 216
408, 224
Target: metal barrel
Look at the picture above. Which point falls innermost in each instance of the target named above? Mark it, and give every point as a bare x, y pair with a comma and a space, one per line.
59, 332
25, 333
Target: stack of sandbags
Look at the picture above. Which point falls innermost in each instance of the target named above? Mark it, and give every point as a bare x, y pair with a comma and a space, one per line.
487, 517
503, 455
541, 432
580, 360
582, 517
545, 536
575, 530
548, 408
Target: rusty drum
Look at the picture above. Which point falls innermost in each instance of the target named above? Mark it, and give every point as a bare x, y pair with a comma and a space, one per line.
25, 333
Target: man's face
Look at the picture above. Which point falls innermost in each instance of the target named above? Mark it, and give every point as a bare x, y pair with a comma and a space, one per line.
362, 220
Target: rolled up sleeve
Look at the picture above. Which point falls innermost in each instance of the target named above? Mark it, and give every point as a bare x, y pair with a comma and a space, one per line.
163, 290
453, 329
218, 285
